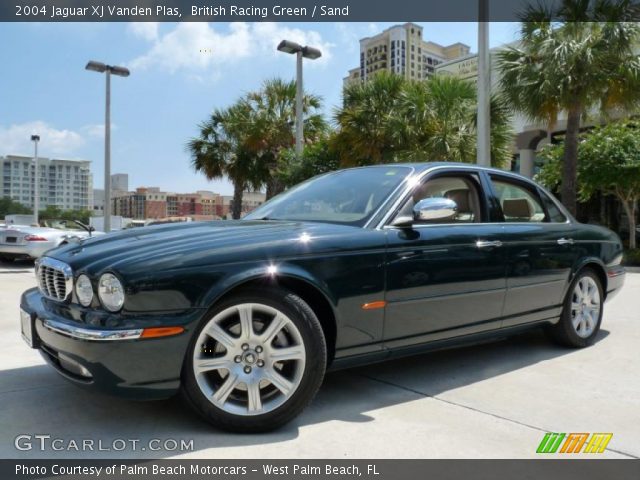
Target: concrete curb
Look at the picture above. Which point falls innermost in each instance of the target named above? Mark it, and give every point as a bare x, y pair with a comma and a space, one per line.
632, 269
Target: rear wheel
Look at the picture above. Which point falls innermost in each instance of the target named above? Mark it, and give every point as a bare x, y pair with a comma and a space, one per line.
582, 311
256, 362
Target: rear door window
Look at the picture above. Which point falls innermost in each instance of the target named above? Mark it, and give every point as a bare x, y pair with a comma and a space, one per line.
519, 202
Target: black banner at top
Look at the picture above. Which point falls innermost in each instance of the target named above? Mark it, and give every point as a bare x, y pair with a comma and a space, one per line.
268, 10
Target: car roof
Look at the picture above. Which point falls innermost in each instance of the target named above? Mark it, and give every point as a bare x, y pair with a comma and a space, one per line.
420, 167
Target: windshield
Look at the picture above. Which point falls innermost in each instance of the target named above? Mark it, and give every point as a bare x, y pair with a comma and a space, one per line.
347, 197
61, 224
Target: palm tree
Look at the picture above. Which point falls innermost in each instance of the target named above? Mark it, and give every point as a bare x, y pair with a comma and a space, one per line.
573, 58
272, 113
389, 119
367, 130
220, 151
437, 120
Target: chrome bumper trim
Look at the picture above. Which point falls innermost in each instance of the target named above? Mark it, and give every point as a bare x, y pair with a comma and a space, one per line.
90, 334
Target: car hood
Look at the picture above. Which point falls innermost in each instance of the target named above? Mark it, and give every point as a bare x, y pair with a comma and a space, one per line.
192, 244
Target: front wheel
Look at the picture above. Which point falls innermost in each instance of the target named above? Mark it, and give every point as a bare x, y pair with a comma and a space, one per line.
256, 361
581, 313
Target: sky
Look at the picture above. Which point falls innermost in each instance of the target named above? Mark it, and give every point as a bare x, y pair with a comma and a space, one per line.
179, 74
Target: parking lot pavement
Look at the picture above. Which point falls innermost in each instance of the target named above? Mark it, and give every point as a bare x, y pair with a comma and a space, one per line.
494, 400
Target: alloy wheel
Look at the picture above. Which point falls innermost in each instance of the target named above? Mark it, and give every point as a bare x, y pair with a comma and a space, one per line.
249, 359
585, 306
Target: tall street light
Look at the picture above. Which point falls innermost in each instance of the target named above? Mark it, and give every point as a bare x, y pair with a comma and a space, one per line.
36, 188
311, 53
121, 72
484, 87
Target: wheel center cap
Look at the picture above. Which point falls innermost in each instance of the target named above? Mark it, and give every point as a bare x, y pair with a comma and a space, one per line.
249, 358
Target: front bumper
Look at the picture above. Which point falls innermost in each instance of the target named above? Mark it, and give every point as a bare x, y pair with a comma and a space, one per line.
111, 360
615, 280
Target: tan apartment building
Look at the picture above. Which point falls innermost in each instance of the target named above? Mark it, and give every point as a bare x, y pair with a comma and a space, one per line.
402, 50
250, 201
152, 203
208, 200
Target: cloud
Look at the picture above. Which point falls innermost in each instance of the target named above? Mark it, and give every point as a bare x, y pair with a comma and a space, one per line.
97, 130
349, 37
196, 46
16, 139
145, 30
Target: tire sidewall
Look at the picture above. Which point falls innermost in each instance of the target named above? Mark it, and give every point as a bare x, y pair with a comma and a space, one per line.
315, 363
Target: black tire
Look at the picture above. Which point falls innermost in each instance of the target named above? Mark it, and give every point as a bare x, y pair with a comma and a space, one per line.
312, 335
563, 332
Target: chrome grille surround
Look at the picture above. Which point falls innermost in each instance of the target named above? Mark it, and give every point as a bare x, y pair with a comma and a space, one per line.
55, 279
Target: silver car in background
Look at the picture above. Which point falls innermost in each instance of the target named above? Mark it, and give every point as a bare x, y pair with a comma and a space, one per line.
25, 242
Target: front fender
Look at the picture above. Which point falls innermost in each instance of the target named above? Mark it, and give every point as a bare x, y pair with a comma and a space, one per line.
265, 271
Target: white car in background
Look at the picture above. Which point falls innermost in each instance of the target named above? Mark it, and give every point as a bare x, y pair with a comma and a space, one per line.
25, 242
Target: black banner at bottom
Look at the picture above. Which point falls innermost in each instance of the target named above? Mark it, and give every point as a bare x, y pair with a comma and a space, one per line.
548, 469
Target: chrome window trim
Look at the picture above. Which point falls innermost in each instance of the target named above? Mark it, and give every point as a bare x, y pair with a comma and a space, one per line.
90, 334
410, 175
383, 223
531, 183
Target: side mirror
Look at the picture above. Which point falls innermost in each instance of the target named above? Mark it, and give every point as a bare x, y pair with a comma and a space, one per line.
434, 209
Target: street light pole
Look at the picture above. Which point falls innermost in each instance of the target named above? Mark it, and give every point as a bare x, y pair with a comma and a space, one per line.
299, 93
36, 187
107, 155
483, 154
121, 72
301, 52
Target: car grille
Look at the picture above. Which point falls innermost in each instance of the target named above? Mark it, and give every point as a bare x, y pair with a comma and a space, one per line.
55, 279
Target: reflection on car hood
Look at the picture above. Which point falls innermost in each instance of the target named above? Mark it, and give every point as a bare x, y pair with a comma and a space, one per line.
194, 244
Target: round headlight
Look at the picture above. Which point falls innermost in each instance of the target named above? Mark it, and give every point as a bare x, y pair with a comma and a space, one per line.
84, 290
111, 292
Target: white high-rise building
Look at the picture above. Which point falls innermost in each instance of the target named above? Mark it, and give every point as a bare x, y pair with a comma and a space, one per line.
66, 184
119, 185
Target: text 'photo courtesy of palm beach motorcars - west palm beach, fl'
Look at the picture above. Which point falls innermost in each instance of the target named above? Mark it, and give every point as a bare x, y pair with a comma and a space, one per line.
244, 317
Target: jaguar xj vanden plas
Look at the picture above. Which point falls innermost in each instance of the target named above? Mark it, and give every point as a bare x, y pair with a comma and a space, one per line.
243, 318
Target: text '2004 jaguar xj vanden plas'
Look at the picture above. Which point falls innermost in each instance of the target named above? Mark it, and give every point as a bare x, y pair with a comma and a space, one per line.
356, 266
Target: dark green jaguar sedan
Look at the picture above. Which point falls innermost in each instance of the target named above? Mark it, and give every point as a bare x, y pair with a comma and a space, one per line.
349, 268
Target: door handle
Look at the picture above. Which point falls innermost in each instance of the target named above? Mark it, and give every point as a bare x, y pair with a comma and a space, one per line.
565, 241
487, 243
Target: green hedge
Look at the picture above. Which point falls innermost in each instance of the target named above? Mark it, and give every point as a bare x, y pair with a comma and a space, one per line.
632, 257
